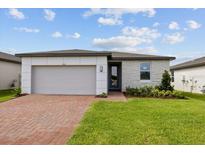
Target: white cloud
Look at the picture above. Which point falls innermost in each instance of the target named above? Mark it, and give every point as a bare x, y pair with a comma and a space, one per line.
74, 35
27, 30
136, 50
122, 43
57, 34
49, 14
173, 38
114, 16
193, 24
185, 29
9, 50
174, 25
182, 56
109, 21
130, 38
119, 12
146, 34
156, 24
116, 42
16, 14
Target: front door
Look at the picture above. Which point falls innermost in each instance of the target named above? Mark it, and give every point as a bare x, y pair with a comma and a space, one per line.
115, 76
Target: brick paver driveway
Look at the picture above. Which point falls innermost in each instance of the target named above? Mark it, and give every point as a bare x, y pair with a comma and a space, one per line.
41, 119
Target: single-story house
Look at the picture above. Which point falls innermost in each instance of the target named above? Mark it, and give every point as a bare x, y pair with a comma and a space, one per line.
190, 76
83, 72
10, 71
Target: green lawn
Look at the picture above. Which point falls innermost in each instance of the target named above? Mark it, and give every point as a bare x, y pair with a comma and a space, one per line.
195, 96
144, 121
6, 95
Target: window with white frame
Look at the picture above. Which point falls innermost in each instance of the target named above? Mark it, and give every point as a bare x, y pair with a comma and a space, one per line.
145, 71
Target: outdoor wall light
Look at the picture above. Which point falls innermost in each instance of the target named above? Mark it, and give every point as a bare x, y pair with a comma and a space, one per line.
101, 68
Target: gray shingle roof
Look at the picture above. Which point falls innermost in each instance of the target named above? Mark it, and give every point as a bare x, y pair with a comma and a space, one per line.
62, 53
112, 55
189, 64
9, 58
133, 56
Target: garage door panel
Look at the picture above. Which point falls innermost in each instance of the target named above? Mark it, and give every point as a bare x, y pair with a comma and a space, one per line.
64, 80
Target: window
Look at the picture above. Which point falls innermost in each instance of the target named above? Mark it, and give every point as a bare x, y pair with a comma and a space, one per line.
114, 77
172, 76
145, 71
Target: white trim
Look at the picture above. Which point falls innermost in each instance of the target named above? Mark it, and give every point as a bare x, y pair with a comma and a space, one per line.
145, 81
101, 77
150, 65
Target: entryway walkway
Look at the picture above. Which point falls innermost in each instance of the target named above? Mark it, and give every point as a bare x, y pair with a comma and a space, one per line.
115, 96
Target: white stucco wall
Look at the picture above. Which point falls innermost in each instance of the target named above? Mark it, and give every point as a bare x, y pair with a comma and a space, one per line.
8, 73
101, 77
195, 74
131, 73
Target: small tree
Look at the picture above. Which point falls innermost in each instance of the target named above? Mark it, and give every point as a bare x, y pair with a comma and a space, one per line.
166, 82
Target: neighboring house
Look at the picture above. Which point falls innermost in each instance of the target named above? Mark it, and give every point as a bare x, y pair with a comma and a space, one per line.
190, 76
83, 72
10, 71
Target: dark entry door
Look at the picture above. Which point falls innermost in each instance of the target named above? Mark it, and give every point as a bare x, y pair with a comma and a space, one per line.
115, 76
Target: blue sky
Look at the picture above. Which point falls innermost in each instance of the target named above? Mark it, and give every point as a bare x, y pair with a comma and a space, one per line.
175, 32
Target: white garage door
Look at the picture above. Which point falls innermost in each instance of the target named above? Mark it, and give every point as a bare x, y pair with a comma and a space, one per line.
76, 80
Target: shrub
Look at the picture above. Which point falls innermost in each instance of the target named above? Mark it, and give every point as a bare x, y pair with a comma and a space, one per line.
13, 84
103, 95
136, 91
18, 92
130, 91
142, 91
168, 93
161, 93
148, 91
178, 94
166, 82
155, 93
